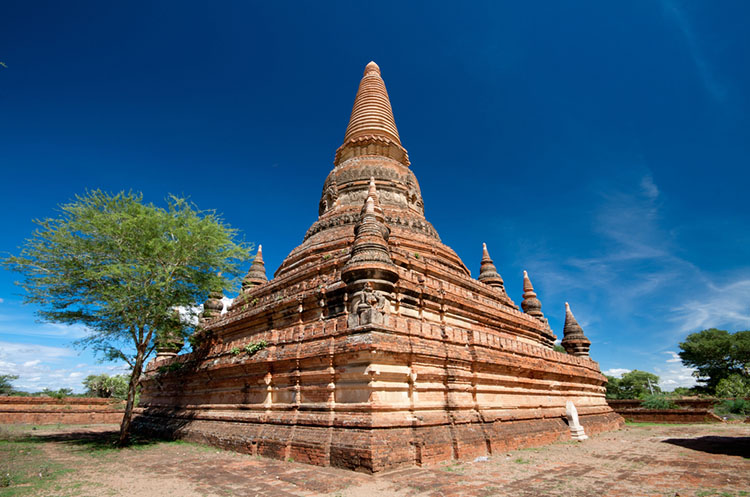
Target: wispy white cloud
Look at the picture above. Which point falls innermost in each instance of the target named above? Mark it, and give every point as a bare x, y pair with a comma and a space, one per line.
673, 375
616, 372
676, 12
633, 280
715, 306
14, 326
41, 366
648, 187
673, 356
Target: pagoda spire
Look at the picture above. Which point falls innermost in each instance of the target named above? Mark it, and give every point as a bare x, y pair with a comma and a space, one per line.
372, 128
256, 275
488, 272
372, 114
531, 305
574, 341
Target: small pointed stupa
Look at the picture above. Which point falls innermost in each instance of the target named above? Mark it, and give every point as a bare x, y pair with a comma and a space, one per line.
213, 306
531, 305
256, 275
574, 341
371, 121
488, 272
169, 341
370, 258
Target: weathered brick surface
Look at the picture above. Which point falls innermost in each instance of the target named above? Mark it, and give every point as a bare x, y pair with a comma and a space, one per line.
46, 410
676, 416
382, 349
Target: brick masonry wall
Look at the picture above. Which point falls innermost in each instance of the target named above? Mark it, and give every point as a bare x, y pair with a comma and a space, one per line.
676, 416
690, 411
46, 410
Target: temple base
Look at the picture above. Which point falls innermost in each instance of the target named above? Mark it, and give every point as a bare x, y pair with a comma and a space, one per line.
368, 450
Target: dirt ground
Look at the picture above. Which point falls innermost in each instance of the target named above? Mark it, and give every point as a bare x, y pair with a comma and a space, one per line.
639, 460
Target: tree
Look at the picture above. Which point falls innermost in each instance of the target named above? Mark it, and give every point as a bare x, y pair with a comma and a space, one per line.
734, 385
684, 391
121, 268
614, 391
58, 394
5, 383
103, 385
633, 385
716, 354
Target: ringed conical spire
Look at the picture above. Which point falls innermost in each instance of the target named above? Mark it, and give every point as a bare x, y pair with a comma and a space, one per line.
372, 128
488, 272
531, 305
574, 341
256, 275
372, 113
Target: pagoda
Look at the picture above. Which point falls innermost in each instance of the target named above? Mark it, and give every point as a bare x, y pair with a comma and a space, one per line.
372, 347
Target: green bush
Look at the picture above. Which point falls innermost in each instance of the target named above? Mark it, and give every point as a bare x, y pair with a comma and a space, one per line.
734, 406
658, 402
735, 385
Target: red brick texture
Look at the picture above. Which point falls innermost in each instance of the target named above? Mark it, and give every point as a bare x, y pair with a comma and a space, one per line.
45, 410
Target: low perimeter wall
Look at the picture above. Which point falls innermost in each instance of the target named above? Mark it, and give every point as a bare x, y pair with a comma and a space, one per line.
72, 410
690, 411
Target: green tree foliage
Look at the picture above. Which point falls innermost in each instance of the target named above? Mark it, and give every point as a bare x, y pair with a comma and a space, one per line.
6, 388
684, 392
103, 385
58, 394
614, 391
716, 355
121, 268
633, 385
735, 385
658, 401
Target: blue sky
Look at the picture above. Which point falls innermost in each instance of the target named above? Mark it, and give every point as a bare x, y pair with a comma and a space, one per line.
602, 147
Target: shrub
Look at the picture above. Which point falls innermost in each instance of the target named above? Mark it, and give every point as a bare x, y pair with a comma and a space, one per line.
658, 402
253, 347
734, 406
735, 385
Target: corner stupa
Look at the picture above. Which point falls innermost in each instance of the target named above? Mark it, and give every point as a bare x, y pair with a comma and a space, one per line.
373, 347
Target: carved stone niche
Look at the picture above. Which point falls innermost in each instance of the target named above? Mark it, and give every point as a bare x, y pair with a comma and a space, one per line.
368, 306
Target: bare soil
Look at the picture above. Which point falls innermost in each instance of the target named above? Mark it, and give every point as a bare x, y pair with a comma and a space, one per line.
639, 460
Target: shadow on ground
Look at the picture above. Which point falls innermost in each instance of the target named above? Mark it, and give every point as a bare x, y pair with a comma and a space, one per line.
88, 440
730, 446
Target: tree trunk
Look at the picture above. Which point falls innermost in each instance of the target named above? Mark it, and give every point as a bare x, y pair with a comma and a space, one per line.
128, 415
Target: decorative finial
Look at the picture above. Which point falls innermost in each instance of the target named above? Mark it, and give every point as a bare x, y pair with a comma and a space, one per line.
372, 67
488, 272
256, 275
574, 341
531, 305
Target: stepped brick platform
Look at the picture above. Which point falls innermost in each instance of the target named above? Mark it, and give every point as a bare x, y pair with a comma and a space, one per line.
373, 347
